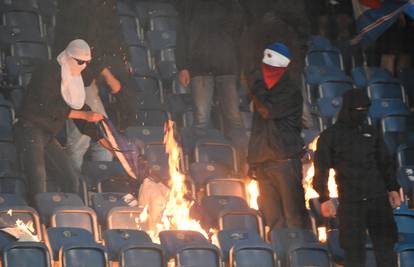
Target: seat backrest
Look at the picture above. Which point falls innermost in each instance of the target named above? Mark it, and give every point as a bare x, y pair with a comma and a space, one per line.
241, 220
173, 240
83, 255
203, 171
116, 239
24, 214
397, 123
31, 50
215, 205
282, 239
76, 217
253, 254
150, 91
226, 187
383, 107
193, 255
405, 156
385, 90
46, 203
159, 40
329, 107
229, 238
29, 25
102, 203
140, 60
61, 236
163, 23
309, 254
215, 151
123, 218
332, 89
147, 134
11, 200
130, 29
405, 255
148, 255
26, 254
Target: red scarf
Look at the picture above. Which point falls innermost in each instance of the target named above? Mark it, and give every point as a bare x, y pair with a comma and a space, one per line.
272, 75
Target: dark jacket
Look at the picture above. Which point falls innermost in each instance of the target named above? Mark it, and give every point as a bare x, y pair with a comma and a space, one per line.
357, 153
208, 35
277, 122
44, 106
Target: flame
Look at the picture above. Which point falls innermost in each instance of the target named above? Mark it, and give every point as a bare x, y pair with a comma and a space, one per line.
307, 181
311, 193
253, 192
322, 236
176, 214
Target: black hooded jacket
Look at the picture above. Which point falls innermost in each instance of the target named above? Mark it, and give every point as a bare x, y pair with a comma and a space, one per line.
208, 35
357, 153
277, 122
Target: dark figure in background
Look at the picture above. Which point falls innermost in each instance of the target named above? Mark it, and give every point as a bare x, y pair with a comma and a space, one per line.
54, 94
275, 147
207, 56
367, 186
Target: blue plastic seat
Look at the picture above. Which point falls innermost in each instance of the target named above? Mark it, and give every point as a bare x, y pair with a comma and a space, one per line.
83, 255
159, 40
199, 256
405, 155
226, 187
123, 218
76, 217
26, 254
116, 239
248, 254
162, 23
36, 51
201, 172
215, 151
27, 215
328, 110
61, 236
382, 90
150, 91
6, 121
102, 203
130, 30
13, 183
140, 60
308, 254
46, 203
363, 76
405, 255
404, 218
230, 238
173, 241
249, 220
383, 107
148, 255
397, 130
11, 200
332, 89
147, 134
283, 239
26, 25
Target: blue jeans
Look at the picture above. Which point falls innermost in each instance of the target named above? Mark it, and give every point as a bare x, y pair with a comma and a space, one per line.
225, 86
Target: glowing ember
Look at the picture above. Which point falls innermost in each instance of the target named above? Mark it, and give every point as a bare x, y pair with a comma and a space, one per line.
253, 191
322, 234
176, 214
10, 212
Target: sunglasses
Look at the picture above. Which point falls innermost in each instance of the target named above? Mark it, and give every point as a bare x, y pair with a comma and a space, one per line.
81, 62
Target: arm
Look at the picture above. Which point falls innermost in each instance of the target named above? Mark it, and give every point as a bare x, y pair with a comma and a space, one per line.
322, 163
110, 79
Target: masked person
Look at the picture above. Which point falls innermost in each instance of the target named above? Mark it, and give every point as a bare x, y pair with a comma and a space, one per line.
276, 146
367, 188
54, 94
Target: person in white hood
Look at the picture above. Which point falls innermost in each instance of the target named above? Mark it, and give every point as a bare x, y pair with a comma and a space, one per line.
54, 94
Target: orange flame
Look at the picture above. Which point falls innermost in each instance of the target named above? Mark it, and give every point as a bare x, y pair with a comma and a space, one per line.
322, 235
176, 215
253, 192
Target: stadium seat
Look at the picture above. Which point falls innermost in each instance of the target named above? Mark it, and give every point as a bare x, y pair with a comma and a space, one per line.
8, 152
131, 30
328, 111
27, 26
13, 183
151, 117
76, 217
61, 236
249, 220
140, 60
332, 89
123, 218
201, 172
216, 151
25, 214
157, 160
226, 187
404, 218
6, 121
150, 90
383, 107
308, 254
159, 40
11, 200
397, 130
26, 254
37, 51
405, 155
162, 23
405, 255
216, 205
124, 8
146, 9
386, 90
102, 203
199, 255
116, 239
324, 58
46, 203
253, 254
406, 77
87, 254
148, 255
229, 238
146, 134
173, 241
363, 76
19, 70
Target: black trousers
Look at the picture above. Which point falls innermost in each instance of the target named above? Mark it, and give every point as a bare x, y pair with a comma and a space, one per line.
282, 200
374, 215
36, 147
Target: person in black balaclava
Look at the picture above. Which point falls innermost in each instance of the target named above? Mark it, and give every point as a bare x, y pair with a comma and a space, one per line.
367, 188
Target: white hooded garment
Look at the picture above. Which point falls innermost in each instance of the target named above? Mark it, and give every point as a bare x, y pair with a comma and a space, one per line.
71, 86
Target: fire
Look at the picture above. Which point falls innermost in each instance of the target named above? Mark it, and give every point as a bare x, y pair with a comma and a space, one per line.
307, 181
253, 192
176, 214
311, 193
